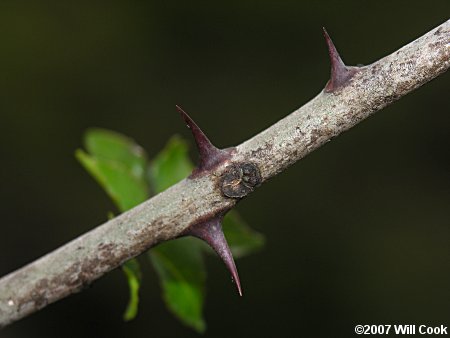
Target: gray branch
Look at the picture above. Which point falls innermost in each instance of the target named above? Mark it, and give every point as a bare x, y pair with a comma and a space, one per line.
78, 263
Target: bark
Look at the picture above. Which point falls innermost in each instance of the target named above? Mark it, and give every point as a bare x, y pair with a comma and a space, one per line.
340, 106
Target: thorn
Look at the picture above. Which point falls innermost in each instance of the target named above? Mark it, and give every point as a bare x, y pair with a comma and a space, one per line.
205, 147
340, 73
209, 155
211, 232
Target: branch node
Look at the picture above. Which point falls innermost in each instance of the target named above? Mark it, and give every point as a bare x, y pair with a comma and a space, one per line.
240, 179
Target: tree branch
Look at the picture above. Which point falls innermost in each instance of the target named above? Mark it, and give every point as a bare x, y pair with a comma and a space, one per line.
339, 107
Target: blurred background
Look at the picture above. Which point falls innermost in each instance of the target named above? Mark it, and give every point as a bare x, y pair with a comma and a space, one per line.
357, 233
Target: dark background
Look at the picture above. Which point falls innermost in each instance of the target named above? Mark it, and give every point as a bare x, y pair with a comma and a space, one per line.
357, 233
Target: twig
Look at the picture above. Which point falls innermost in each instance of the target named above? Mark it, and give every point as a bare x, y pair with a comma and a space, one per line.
352, 94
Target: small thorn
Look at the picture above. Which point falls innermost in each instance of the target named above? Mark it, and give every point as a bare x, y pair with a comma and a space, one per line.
209, 155
337, 65
205, 147
340, 73
211, 232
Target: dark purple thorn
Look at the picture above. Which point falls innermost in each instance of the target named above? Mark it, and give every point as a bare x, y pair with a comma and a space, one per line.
209, 155
211, 232
340, 73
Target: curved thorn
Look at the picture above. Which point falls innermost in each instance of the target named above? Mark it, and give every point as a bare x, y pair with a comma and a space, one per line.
340, 73
209, 155
211, 232
205, 147
337, 65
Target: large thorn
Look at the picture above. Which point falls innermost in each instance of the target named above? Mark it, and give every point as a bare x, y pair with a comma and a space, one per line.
209, 155
211, 232
340, 73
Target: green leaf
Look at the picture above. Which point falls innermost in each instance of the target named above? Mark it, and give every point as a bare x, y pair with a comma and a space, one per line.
118, 164
170, 166
133, 274
109, 145
126, 190
242, 239
179, 264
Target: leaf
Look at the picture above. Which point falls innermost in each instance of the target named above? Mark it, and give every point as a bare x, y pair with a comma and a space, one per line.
242, 239
118, 164
170, 166
179, 264
125, 189
133, 274
109, 145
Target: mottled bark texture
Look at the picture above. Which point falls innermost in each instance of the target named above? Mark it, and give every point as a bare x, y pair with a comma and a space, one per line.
347, 99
